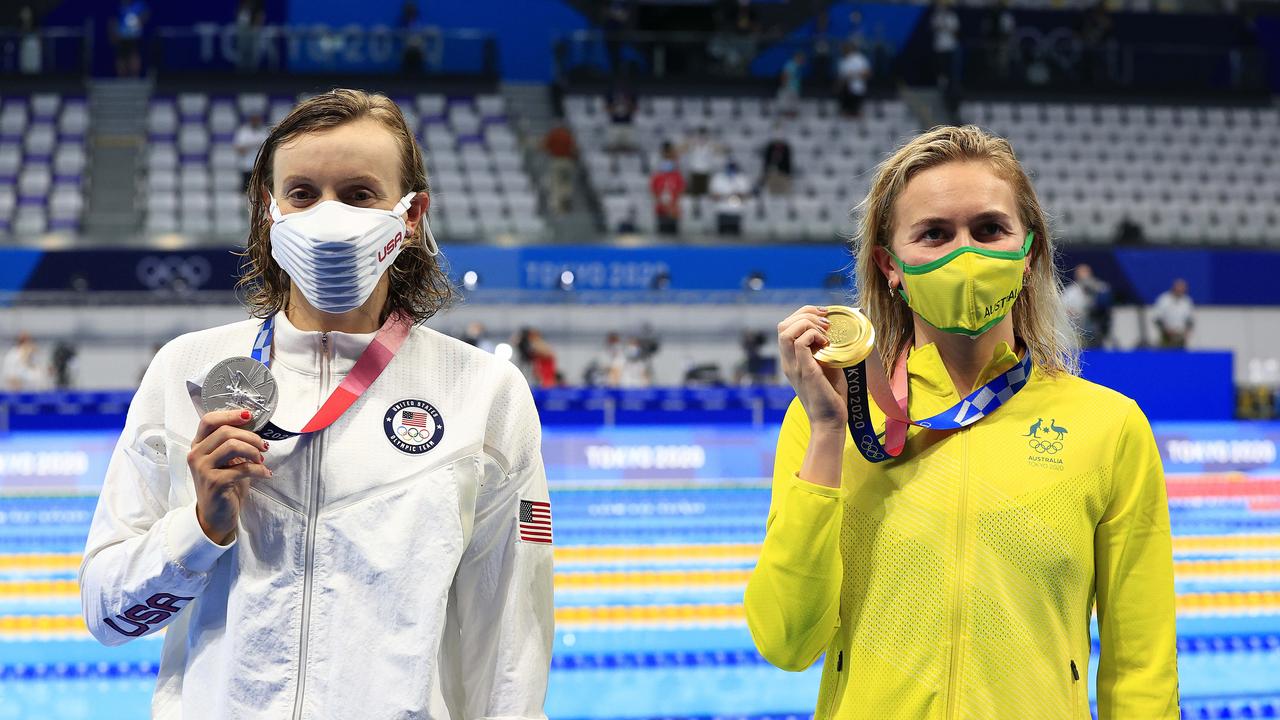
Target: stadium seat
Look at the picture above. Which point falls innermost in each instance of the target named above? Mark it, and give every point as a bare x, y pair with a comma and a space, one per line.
192, 106
223, 119
162, 119
13, 118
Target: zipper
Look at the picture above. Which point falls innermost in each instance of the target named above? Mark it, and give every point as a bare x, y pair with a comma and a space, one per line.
839, 687
1075, 691
957, 605
313, 511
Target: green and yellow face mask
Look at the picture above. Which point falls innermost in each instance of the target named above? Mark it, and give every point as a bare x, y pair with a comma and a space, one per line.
966, 291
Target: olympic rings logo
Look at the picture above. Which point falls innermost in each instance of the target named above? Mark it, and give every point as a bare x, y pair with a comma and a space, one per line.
1042, 447
173, 272
410, 433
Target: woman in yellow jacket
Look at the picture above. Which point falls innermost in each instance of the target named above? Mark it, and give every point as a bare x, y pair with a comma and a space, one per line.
957, 580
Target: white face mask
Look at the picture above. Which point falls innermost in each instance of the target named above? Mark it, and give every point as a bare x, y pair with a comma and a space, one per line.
336, 253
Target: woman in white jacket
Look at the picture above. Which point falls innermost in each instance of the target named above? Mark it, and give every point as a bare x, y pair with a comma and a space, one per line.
387, 556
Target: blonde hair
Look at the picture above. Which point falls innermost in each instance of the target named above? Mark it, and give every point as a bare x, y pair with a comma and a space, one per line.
1039, 317
419, 285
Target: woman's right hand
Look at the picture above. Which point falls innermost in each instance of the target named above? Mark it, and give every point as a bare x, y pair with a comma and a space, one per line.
821, 389
224, 460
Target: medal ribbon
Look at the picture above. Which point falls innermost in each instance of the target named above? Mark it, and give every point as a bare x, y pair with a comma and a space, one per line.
368, 367
893, 401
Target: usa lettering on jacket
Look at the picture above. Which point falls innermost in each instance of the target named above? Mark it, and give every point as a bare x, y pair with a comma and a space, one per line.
141, 617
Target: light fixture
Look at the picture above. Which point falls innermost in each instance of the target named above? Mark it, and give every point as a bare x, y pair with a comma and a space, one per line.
566, 280
470, 279
503, 351
755, 281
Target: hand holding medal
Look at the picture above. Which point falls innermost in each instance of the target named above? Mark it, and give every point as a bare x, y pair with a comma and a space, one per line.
225, 458
845, 341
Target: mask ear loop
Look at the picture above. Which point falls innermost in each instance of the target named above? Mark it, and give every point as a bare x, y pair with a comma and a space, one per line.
402, 207
433, 249
274, 209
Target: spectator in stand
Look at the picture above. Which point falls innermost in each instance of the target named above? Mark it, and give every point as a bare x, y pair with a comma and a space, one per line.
789, 84
777, 163
414, 44
756, 367
126, 34
249, 137
667, 186
998, 28
730, 190
477, 335
821, 68
561, 149
1095, 32
620, 104
30, 50
1174, 316
606, 368
1088, 303
62, 365
636, 372
249, 19
702, 155
22, 371
854, 72
946, 46
537, 359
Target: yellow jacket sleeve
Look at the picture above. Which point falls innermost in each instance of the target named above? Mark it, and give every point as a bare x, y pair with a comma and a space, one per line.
1138, 670
793, 595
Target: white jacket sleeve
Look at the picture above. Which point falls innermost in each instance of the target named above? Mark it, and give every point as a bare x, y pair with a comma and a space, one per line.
144, 561
503, 586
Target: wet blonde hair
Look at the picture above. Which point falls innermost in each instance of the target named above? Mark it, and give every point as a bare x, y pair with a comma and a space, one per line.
1039, 317
418, 284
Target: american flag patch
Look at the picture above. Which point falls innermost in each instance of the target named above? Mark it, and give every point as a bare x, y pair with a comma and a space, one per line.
414, 419
535, 522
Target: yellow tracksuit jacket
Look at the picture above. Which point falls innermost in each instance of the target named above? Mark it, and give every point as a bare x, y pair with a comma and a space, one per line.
957, 582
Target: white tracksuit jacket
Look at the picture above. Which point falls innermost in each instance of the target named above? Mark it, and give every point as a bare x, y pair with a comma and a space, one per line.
364, 580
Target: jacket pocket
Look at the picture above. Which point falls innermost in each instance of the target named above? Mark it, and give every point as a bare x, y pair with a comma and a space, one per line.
1075, 691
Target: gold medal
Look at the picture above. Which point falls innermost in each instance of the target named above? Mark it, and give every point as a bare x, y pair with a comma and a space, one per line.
850, 335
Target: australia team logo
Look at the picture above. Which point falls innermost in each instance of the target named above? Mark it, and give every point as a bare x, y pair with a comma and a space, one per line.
413, 426
1046, 441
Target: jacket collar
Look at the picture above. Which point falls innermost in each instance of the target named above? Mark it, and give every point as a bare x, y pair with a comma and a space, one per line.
301, 349
927, 373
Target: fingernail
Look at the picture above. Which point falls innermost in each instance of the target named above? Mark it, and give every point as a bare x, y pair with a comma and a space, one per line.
822, 308
246, 415
266, 445
824, 321
269, 473
261, 459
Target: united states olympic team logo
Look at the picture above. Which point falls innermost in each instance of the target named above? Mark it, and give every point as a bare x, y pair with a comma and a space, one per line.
413, 426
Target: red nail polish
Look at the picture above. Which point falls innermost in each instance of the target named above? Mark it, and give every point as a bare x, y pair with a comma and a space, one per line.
246, 415
265, 445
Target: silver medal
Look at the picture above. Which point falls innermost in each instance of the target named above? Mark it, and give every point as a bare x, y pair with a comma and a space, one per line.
240, 383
